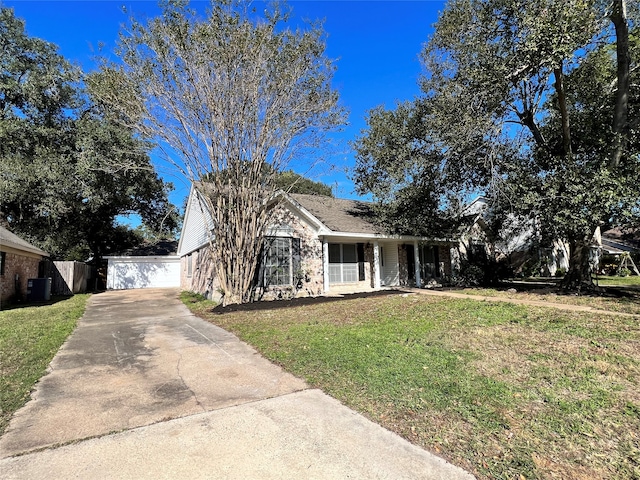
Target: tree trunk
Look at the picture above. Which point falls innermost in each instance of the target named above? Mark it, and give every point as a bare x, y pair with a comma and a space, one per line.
564, 113
620, 116
579, 275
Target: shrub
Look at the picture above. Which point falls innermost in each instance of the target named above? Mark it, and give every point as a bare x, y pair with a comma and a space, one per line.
624, 272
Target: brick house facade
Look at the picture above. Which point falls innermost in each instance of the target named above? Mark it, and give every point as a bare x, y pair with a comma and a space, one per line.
19, 261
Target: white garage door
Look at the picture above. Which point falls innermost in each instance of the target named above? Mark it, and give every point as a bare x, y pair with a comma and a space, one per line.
143, 272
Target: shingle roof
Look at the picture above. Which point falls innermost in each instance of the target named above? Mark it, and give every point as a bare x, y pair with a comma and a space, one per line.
12, 240
340, 215
625, 240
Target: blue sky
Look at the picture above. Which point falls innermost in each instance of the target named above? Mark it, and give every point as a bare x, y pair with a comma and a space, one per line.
376, 44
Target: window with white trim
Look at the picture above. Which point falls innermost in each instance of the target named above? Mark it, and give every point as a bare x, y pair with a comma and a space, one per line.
278, 261
343, 263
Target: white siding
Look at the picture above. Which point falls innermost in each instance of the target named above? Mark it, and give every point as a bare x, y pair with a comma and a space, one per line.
196, 228
390, 269
143, 272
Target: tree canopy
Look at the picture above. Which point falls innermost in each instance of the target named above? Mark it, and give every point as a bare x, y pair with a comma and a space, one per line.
527, 101
68, 169
224, 97
292, 182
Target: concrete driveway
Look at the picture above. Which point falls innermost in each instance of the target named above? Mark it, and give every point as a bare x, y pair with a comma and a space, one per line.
144, 389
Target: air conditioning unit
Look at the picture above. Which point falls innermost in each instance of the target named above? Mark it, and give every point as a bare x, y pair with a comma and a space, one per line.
38, 289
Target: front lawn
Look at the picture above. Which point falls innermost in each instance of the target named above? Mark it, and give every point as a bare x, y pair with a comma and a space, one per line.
502, 390
30, 336
619, 299
630, 281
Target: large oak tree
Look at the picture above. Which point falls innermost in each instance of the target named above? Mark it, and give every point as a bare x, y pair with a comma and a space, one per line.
68, 170
509, 111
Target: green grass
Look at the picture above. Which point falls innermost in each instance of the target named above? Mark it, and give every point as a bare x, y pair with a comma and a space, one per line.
630, 281
502, 390
623, 299
29, 338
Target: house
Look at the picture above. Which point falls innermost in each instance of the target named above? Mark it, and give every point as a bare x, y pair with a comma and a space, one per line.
317, 245
153, 265
617, 241
19, 261
517, 243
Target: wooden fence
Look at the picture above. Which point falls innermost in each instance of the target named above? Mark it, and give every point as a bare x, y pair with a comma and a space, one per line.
70, 277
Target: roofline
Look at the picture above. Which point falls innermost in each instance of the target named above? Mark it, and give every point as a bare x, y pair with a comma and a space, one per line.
322, 229
189, 252
298, 206
23, 248
150, 257
186, 215
382, 236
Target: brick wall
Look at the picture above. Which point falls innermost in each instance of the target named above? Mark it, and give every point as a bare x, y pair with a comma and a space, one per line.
25, 267
203, 277
310, 259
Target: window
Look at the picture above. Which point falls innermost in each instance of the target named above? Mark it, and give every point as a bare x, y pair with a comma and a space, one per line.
343, 263
280, 254
3, 256
189, 265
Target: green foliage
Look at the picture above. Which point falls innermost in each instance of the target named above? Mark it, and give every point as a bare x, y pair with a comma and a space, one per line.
519, 99
30, 336
68, 169
292, 182
624, 272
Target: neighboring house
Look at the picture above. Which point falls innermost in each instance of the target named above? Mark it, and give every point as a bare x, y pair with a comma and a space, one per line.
317, 245
149, 266
19, 261
617, 241
621, 244
517, 243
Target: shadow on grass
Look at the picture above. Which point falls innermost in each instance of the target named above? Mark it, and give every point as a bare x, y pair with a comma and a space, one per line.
24, 304
553, 286
299, 302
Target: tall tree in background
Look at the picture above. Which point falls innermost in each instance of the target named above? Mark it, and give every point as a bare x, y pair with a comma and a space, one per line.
505, 111
230, 98
68, 170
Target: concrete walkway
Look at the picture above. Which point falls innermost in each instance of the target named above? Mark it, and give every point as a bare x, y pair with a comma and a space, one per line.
144, 389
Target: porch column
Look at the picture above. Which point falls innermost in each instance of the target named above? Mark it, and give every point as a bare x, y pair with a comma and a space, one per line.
376, 265
325, 265
416, 255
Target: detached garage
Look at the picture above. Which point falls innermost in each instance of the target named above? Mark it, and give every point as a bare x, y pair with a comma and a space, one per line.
150, 266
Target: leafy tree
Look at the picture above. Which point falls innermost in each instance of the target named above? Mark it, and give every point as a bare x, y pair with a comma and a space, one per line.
509, 109
68, 169
292, 182
224, 96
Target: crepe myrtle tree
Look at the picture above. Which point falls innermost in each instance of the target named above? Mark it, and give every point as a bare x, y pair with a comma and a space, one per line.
506, 110
224, 96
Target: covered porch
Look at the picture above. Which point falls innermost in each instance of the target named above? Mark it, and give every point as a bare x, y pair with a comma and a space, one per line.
361, 264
